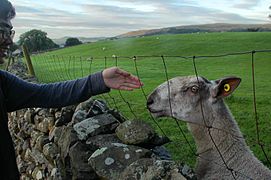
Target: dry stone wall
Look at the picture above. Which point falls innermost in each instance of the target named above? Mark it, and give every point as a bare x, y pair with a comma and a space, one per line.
88, 141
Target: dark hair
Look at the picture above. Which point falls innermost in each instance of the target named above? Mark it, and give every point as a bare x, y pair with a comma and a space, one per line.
7, 12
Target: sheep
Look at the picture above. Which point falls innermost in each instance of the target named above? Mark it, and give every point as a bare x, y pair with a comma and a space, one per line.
199, 102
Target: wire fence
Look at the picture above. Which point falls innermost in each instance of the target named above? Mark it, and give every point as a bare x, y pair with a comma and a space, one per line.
251, 104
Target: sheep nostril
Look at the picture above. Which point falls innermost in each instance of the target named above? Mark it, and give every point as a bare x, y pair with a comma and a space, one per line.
149, 101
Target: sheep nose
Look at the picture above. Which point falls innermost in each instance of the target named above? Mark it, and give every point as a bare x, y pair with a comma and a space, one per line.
149, 101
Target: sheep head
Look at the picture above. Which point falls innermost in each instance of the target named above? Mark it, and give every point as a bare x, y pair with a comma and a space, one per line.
188, 95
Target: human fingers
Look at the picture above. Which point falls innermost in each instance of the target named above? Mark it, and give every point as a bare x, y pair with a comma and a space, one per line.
133, 79
122, 72
130, 85
126, 88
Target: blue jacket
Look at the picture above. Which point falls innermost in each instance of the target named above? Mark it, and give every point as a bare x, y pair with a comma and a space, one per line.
16, 94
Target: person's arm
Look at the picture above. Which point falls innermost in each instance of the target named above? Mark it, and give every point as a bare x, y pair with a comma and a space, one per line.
21, 94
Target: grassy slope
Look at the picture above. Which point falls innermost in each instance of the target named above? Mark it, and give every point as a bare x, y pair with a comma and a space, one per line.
151, 72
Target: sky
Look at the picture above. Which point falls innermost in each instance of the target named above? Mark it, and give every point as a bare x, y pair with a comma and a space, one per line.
107, 18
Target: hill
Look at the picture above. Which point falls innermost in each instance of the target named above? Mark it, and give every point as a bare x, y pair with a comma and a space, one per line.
219, 27
61, 41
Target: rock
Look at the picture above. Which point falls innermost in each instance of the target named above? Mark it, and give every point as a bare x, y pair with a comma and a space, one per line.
187, 172
67, 139
109, 162
41, 141
55, 174
162, 153
117, 115
104, 140
151, 169
28, 129
57, 114
21, 164
46, 124
104, 123
97, 107
28, 156
85, 106
135, 132
158, 140
79, 154
79, 116
43, 112
29, 116
38, 157
37, 174
50, 151
66, 116
34, 136
26, 145
55, 133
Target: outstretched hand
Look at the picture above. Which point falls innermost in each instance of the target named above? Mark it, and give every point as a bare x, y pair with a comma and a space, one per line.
116, 78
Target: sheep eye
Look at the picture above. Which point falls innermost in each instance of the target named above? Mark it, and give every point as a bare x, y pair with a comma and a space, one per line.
227, 87
194, 89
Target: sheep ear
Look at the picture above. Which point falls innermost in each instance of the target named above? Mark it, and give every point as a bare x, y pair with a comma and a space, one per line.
225, 86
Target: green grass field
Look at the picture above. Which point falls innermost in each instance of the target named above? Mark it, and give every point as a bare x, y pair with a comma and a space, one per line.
72, 62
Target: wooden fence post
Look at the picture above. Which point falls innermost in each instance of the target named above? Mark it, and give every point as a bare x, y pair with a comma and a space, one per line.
28, 60
9, 63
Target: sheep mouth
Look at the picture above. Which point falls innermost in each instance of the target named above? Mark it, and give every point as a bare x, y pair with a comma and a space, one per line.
156, 113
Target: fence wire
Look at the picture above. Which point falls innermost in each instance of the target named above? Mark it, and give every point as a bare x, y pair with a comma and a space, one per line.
75, 67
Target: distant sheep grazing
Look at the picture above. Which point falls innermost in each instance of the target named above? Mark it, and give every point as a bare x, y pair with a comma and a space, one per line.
192, 98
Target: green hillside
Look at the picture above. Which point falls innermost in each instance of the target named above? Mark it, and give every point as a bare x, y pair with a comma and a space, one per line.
181, 44
76, 61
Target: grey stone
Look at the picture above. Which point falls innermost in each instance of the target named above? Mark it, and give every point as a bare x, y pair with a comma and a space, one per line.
97, 107
188, 172
29, 116
57, 115
27, 128
109, 162
55, 174
104, 140
37, 174
43, 112
67, 139
28, 156
104, 123
85, 106
38, 157
117, 115
151, 169
55, 133
26, 145
46, 124
79, 154
50, 151
21, 164
162, 153
41, 141
79, 116
34, 136
66, 116
135, 132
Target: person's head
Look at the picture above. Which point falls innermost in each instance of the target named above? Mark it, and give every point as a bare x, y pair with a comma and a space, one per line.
7, 12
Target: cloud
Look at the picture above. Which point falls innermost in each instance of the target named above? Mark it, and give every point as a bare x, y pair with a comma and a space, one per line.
82, 18
246, 4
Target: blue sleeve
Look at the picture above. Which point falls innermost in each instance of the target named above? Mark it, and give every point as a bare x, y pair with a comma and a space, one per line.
21, 94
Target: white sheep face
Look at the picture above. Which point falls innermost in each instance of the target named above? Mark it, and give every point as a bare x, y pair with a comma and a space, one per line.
187, 94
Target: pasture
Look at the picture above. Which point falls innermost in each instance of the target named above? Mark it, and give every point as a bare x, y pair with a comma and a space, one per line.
79, 61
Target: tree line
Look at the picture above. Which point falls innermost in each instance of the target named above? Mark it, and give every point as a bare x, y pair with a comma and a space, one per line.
37, 40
